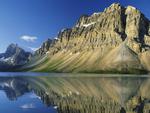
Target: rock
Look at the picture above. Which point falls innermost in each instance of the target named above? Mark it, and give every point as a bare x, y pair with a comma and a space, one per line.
136, 28
44, 48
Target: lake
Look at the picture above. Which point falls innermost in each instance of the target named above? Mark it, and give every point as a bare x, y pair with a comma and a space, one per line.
74, 93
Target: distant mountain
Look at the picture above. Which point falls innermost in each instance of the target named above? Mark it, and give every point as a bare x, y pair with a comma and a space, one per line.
13, 56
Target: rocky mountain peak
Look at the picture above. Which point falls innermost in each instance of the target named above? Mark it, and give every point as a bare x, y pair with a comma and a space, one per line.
12, 49
137, 27
15, 55
130, 9
44, 47
12, 45
112, 7
126, 22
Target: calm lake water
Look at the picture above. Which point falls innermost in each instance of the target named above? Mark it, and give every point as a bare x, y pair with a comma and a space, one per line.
74, 93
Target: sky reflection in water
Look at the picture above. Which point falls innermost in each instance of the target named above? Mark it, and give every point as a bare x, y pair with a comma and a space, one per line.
28, 103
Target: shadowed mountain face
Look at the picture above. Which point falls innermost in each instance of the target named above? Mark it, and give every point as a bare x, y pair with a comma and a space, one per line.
13, 56
115, 40
84, 94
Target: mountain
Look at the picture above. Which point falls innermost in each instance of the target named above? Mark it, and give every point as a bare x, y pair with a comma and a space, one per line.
115, 40
13, 56
13, 87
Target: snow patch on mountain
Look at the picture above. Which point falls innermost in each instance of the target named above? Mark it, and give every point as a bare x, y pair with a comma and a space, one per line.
89, 24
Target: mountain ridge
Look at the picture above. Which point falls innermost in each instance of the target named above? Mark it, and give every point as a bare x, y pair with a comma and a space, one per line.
96, 41
13, 56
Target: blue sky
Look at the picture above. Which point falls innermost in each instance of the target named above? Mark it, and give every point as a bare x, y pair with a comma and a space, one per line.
37, 20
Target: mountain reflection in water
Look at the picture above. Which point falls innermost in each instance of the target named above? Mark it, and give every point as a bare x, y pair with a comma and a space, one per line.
84, 94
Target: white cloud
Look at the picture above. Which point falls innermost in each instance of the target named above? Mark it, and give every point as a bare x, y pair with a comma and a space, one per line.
28, 38
27, 106
33, 48
33, 96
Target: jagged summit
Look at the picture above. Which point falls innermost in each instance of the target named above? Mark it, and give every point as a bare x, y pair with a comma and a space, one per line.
12, 49
45, 47
131, 8
13, 56
112, 7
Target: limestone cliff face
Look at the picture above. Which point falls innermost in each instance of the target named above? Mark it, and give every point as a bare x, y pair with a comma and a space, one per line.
136, 27
44, 48
97, 31
110, 28
117, 31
